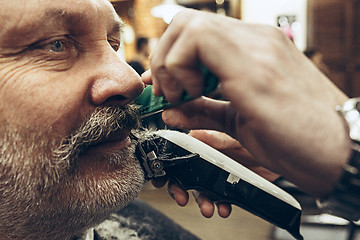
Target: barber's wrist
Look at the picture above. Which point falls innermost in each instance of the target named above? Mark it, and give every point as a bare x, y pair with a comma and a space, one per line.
338, 151
344, 200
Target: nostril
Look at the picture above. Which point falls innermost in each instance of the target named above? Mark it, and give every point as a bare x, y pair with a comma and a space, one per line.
115, 99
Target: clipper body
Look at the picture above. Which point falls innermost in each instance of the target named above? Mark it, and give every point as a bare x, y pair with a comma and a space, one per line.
195, 165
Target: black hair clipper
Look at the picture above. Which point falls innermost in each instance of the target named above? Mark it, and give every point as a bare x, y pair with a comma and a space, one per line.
195, 165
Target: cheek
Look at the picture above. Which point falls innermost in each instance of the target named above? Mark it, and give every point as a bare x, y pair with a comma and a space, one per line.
32, 98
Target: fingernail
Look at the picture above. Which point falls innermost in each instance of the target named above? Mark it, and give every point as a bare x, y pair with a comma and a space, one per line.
171, 193
196, 196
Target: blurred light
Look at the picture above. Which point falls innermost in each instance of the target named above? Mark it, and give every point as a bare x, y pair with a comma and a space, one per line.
283, 21
296, 26
221, 11
167, 10
128, 34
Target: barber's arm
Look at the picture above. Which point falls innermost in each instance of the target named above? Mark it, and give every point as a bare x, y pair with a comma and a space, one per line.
281, 108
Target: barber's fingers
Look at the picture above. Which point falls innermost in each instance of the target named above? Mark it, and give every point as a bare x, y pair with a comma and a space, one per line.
227, 145
216, 139
161, 77
159, 182
224, 210
182, 62
175, 60
207, 207
180, 196
172, 84
146, 77
203, 113
232, 148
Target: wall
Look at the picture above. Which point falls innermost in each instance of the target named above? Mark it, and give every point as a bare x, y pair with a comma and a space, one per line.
139, 21
267, 12
334, 31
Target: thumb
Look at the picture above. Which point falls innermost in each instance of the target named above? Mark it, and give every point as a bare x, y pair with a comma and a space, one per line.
202, 113
215, 139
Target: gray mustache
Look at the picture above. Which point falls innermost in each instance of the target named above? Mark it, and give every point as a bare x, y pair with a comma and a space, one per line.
102, 123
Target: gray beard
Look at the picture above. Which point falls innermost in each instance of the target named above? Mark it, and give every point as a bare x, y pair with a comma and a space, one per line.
42, 196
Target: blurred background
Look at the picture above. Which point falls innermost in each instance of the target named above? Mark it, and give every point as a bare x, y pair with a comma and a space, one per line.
327, 31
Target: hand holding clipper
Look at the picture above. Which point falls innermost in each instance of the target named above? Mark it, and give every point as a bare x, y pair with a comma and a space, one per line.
195, 165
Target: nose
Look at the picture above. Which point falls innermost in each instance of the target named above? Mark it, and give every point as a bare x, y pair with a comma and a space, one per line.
115, 82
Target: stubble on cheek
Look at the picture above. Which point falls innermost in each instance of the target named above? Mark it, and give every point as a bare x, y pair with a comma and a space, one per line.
37, 187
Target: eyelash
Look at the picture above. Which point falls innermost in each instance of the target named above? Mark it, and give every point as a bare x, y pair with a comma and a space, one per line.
69, 47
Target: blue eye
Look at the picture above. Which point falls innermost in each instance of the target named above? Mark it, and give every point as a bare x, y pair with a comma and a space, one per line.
57, 46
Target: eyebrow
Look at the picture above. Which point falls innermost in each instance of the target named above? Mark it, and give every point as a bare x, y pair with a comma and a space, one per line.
75, 19
118, 26
63, 16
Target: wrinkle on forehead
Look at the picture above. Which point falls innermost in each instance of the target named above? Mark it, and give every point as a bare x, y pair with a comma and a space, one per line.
21, 23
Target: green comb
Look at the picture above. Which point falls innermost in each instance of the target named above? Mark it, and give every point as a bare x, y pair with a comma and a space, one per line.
151, 104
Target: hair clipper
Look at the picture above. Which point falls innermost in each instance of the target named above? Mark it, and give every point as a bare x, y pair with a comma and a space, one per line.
195, 165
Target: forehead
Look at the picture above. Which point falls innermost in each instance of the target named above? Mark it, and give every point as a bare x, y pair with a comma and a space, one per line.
20, 17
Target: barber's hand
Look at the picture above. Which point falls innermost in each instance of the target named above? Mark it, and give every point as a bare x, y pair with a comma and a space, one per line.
181, 197
231, 148
281, 107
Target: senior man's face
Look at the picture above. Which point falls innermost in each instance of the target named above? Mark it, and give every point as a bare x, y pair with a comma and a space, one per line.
66, 159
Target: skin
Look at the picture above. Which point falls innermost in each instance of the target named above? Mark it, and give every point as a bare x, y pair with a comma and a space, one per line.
66, 159
280, 107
